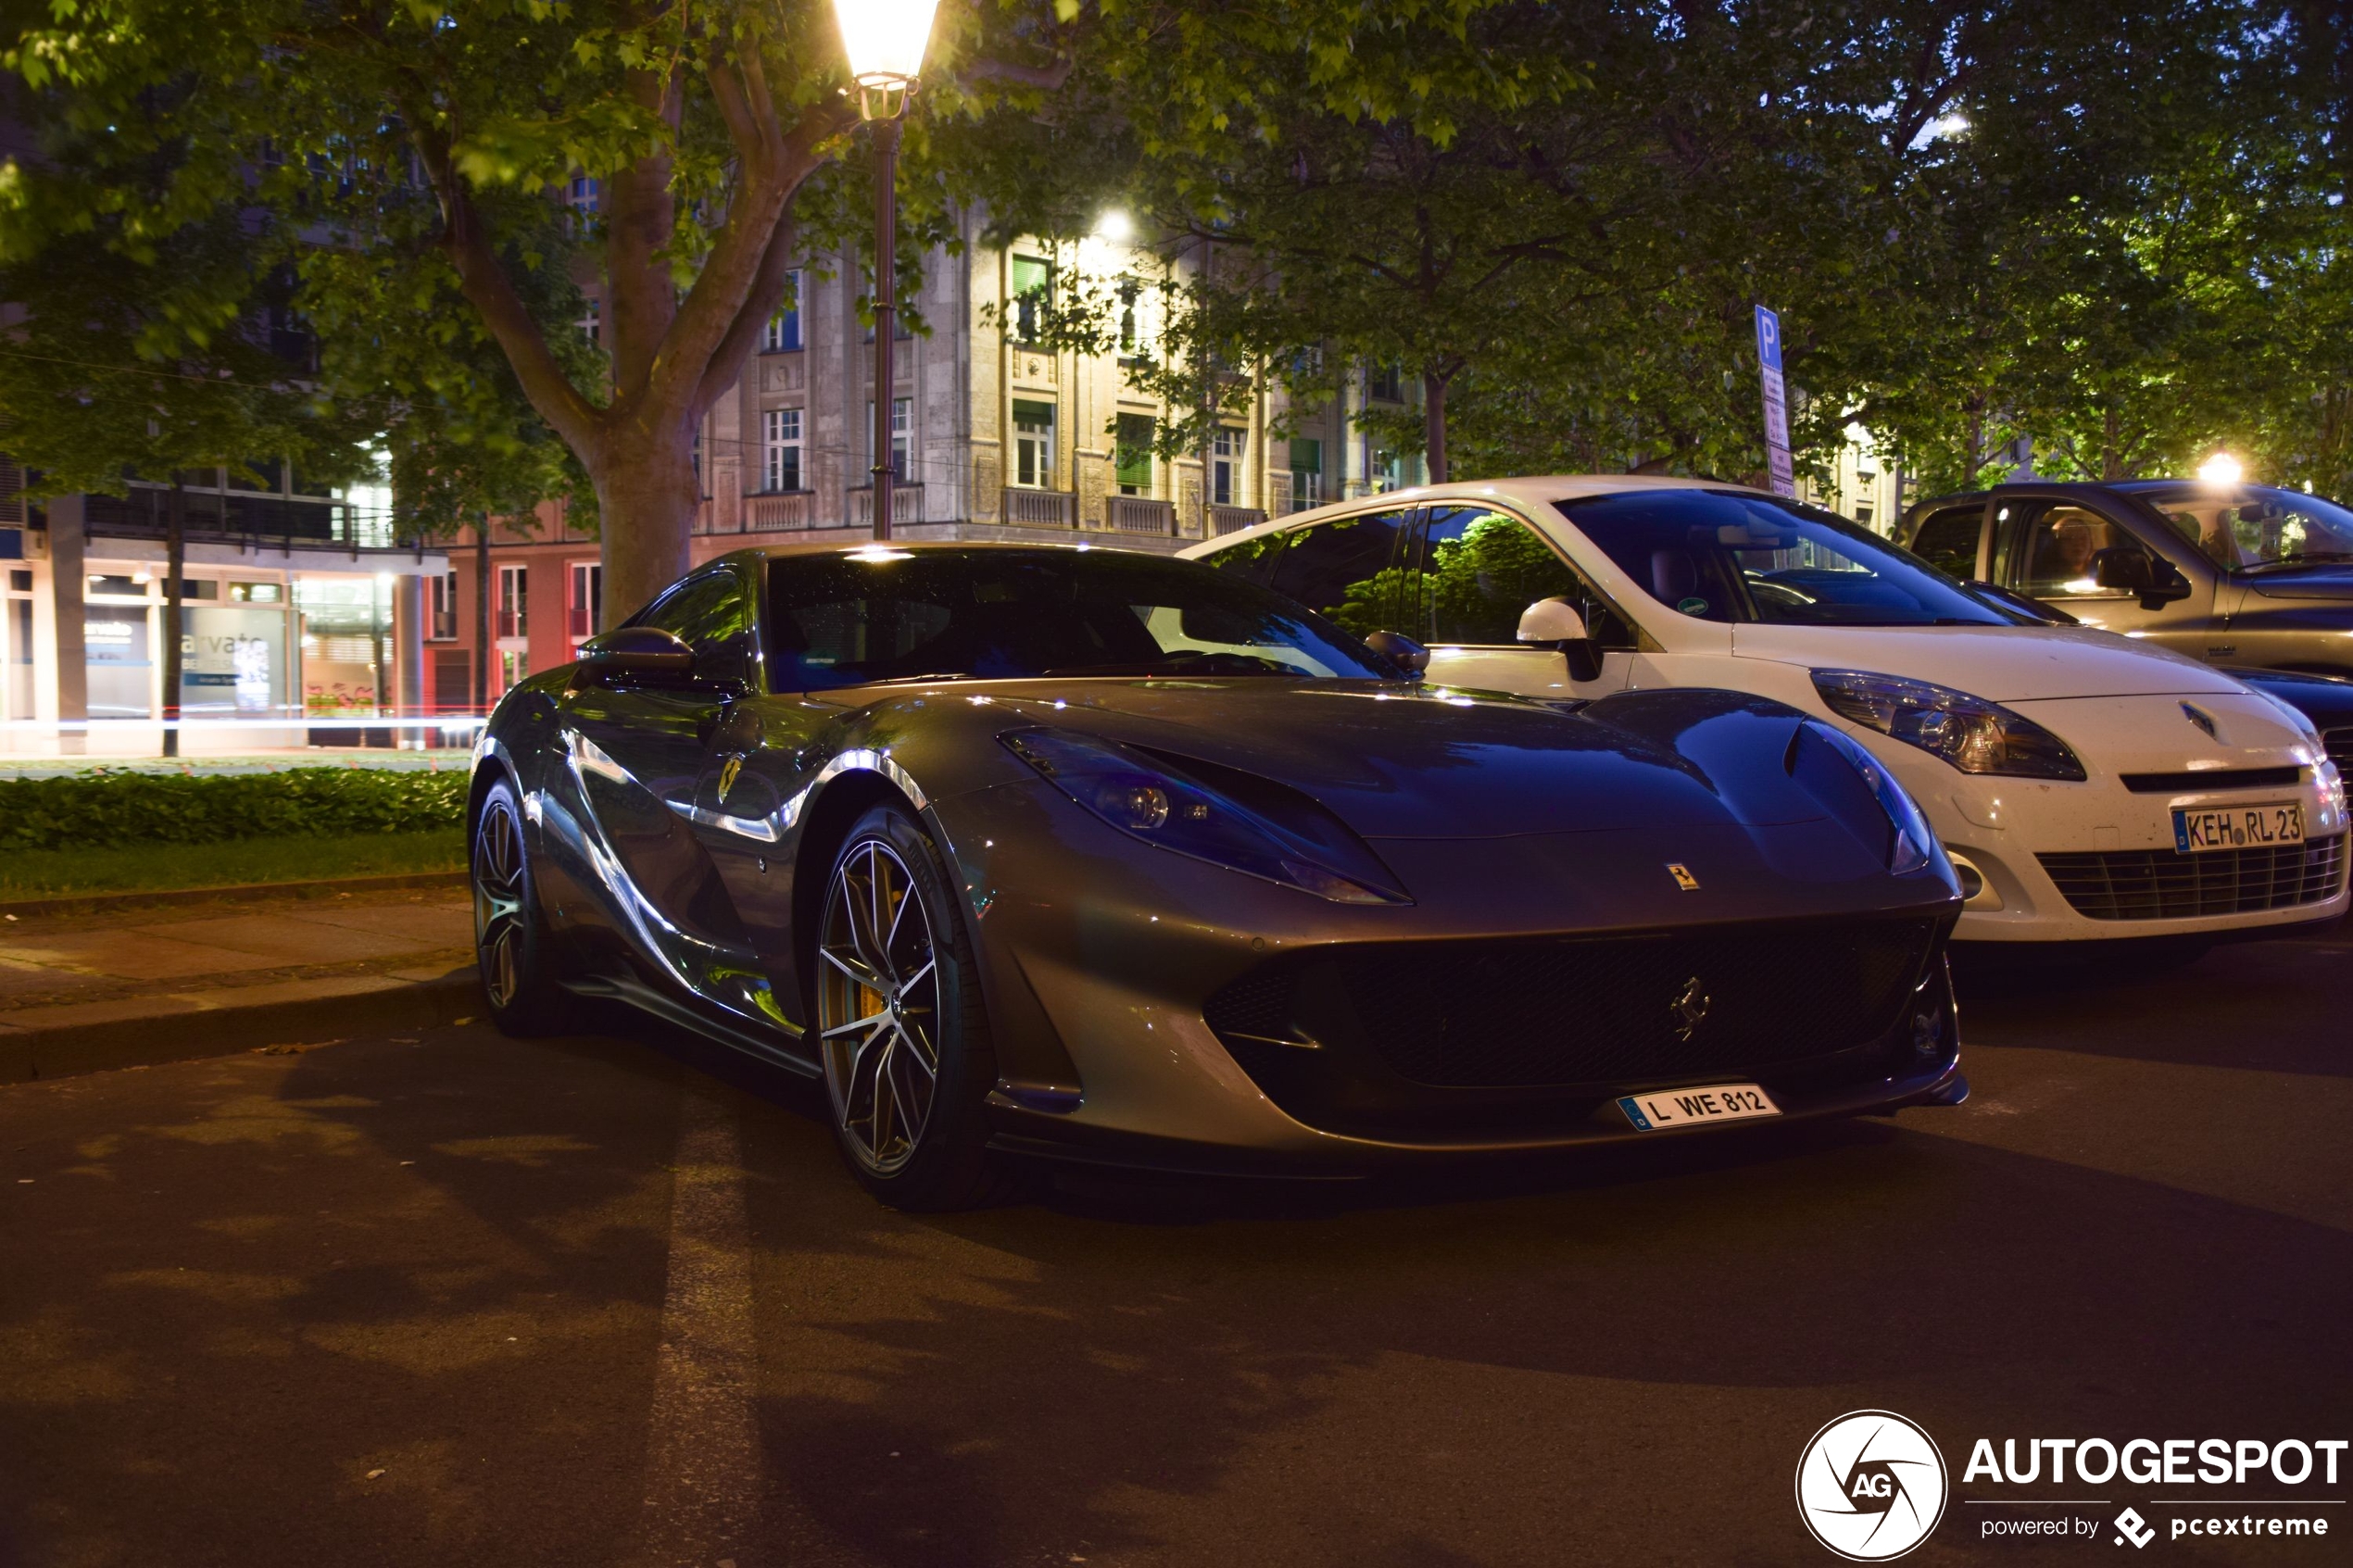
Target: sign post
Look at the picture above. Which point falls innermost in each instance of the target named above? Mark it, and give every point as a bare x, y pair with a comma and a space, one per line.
1769, 363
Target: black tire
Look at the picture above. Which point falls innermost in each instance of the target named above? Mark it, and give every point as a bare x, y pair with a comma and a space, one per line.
513, 951
897, 1002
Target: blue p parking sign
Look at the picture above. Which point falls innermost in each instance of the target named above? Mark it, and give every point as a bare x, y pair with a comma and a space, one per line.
1769, 362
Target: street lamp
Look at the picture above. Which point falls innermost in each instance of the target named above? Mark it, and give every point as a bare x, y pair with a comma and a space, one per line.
885, 41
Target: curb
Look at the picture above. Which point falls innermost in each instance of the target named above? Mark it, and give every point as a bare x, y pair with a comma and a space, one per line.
99, 903
60, 1041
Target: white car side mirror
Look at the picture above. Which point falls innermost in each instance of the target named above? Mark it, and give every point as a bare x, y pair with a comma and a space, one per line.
1551, 621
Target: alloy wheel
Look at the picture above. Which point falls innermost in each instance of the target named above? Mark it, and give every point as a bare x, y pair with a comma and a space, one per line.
878, 1007
498, 901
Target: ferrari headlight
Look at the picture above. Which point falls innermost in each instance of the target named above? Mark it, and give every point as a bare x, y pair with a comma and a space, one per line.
1971, 733
1279, 834
1912, 844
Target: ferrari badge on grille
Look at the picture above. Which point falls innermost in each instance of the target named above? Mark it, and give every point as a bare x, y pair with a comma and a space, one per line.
1682, 875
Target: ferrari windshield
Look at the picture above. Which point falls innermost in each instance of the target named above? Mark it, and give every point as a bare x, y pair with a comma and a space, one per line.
1723, 554
997, 614
2240, 527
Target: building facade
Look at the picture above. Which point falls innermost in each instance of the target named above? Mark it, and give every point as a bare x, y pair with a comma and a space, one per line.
302, 618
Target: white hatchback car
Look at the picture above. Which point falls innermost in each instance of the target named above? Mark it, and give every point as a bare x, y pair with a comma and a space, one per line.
2087, 787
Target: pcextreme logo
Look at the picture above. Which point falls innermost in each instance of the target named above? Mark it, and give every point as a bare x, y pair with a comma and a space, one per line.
1872, 1485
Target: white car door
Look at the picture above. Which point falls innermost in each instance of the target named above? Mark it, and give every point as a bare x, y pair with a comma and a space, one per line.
1472, 574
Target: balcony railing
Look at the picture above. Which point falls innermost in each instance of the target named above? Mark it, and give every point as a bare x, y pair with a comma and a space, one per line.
764, 514
1133, 514
906, 505
238, 516
1041, 509
1228, 519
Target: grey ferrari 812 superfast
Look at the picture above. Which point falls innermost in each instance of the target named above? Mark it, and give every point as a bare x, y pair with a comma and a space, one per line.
1042, 851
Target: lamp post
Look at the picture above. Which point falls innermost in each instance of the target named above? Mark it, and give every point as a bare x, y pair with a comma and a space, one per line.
885, 41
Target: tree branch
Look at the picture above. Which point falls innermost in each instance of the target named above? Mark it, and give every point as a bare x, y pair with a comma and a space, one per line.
482, 279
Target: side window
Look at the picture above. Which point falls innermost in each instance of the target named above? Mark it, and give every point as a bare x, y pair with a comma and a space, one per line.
1947, 541
1250, 559
713, 615
1480, 569
2055, 549
1347, 568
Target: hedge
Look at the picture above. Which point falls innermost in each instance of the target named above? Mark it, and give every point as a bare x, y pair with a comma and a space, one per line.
120, 809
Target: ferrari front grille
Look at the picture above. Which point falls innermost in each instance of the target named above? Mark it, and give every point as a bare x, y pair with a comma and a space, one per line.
1591, 1011
2168, 884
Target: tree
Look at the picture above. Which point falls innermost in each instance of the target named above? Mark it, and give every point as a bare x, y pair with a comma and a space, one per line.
694, 128
149, 360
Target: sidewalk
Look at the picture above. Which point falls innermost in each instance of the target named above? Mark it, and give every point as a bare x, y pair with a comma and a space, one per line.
138, 983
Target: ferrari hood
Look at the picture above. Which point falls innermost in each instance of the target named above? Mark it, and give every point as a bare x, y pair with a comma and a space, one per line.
1401, 762
2001, 663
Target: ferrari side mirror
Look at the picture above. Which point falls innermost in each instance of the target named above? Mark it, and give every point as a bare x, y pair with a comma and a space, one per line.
1400, 650
1555, 623
639, 651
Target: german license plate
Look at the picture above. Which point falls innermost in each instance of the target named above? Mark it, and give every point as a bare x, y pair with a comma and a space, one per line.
2197, 829
1713, 1102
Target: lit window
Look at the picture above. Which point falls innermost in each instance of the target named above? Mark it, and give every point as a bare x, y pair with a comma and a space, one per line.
784, 326
780, 449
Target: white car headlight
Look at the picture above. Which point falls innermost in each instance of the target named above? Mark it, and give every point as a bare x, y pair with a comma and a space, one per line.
1971, 733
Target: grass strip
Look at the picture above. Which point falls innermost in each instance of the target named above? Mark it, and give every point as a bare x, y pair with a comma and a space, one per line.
41, 874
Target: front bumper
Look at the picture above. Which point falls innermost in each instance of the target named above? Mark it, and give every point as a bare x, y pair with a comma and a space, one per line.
1100, 992
2095, 860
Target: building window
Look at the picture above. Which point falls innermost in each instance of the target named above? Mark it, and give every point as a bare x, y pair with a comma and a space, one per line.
587, 599
1382, 469
1864, 513
514, 602
1034, 446
1386, 382
780, 449
514, 666
1033, 281
592, 325
1226, 466
902, 414
443, 604
588, 193
1306, 472
1133, 454
784, 326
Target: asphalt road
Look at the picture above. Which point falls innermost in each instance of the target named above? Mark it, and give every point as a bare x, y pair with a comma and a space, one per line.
451, 1299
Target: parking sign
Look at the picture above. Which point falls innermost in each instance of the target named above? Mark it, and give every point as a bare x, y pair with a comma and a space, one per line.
1768, 361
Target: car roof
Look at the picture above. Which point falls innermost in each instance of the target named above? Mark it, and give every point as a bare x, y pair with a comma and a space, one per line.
1532, 491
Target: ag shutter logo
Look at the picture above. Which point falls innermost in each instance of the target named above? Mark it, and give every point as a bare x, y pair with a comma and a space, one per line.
1870, 1486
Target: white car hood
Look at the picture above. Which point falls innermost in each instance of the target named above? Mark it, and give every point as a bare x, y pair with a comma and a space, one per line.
2003, 663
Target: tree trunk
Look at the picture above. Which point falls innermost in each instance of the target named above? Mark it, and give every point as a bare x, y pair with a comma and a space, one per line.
1434, 425
175, 562
484, 648
645, 498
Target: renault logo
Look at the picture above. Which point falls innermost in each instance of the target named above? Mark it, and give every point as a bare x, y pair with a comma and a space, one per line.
2203, 720
1690, 1008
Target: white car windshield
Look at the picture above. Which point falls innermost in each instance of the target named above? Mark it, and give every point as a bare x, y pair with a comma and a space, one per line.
1725, 555
2246, 527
